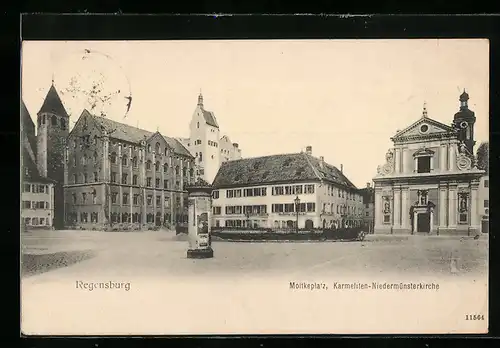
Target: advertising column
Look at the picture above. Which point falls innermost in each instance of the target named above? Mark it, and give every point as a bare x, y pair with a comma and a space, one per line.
200, 209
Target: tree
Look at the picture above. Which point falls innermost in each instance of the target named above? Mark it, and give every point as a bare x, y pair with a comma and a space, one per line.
483, 158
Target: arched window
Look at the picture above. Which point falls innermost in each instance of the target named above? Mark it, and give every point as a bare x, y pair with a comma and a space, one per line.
165, 168
184, 171
157, 148
75, 180
113, 157
53, 120
201, 157
148, 165
191, 172
157, 166
63, 124
84, 160
166, 151
134, 161
95, 140
95, 157
124, 160
43, 119
198, 125
149, 148
177, 170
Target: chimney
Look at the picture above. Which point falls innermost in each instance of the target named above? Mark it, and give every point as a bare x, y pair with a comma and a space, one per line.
235, 145
368, 185
342, 168
322, 162
309, 150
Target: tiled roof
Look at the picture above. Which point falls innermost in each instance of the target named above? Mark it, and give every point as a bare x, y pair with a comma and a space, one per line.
53, 103
284, 168
210, 118
122, 131
31, 174
28, 127
330, 173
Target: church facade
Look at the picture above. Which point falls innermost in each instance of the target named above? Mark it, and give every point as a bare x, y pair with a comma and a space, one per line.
429, 183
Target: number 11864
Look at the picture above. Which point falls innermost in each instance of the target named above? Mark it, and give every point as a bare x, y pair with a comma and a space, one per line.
474, 317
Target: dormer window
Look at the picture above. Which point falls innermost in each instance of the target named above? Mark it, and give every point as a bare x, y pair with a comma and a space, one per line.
424, 160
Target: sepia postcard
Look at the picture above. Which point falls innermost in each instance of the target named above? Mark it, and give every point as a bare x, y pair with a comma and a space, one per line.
254, 187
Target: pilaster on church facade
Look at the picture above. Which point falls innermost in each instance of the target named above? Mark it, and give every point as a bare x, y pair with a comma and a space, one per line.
429, 182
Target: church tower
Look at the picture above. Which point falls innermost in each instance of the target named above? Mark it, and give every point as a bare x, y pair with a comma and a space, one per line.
53, 129
204, 141
464, 121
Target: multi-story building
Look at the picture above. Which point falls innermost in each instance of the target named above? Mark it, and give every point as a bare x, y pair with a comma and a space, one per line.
46, 150
430, 183
205, 143
368, 194
37, 191
261, 192
122, 176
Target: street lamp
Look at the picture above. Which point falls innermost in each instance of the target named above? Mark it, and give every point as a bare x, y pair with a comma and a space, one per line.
297, 205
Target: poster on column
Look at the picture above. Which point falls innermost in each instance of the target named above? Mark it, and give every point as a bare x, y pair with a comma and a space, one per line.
202, 213
393, 133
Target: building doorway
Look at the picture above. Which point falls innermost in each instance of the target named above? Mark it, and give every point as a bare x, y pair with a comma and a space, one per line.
158, 219
309, 225
424, 222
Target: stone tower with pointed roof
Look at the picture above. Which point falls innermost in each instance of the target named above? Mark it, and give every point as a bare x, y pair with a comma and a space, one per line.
53, 129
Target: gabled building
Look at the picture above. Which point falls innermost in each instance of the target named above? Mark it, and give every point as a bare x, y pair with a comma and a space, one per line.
119, 176
429, 183
261, 192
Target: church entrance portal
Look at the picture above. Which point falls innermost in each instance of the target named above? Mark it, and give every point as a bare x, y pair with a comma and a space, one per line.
424, 222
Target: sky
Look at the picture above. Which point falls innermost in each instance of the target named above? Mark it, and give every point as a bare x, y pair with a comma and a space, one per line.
345, 98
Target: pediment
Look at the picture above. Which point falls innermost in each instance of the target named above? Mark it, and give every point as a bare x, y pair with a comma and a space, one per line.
426, 128
423, 152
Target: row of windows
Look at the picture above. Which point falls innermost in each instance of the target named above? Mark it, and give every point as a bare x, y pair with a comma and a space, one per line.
53, 121
124, 180
262, 209
212, 143
245, 209
341, 209
136, 199
123, 217
292, 190
35, 205
290, 208
284, 190
344, 194
36, 188
36, 221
